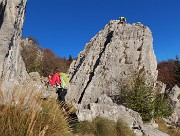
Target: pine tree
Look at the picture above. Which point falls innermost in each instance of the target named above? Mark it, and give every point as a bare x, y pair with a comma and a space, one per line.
70, 58
177, 70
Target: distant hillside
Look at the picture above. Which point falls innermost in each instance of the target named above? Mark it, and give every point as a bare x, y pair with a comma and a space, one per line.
43, 61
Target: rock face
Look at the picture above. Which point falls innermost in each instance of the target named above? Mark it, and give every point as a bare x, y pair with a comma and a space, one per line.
12, 68
113, 57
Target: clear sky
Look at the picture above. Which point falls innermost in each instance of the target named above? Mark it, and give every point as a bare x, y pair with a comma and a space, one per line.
65, 26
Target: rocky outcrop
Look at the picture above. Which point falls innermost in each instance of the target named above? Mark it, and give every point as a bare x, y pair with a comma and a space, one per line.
41, 85
174, 95
111, 59
107, 109
29, 45
12, 68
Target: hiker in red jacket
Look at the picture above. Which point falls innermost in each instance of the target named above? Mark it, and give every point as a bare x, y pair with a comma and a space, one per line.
56, 80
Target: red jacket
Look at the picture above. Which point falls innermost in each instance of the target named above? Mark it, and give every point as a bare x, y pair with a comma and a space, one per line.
55, 79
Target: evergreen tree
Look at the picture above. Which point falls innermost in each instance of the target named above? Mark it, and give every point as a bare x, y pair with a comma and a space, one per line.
138, 97
177, 70
70, 58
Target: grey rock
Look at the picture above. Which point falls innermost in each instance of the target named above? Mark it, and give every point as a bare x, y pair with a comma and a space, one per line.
111, 59
30, 45
50, 93
36, 82
104, 99
34, 76
174, 95
161, 87
41, 84
150, 131
12, 67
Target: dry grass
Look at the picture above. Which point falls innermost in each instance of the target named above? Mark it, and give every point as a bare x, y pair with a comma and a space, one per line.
23, 113
102, 127
172, 131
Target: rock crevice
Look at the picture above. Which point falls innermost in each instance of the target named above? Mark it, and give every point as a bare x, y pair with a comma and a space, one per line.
108, 40
2, 10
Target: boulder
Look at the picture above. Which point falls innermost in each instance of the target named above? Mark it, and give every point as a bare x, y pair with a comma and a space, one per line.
41, 85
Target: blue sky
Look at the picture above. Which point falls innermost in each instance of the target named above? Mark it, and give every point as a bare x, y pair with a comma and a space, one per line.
65, 26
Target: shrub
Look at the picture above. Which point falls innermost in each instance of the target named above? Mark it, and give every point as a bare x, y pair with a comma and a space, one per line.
138, 97
146, 101
162, 107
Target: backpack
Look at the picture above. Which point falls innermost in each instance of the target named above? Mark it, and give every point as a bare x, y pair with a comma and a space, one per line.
64, 80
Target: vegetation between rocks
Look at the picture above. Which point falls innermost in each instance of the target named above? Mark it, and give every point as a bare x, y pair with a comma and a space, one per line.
146, 101
102, 127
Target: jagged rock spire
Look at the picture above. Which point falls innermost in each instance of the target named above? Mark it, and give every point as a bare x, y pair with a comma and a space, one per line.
110, 59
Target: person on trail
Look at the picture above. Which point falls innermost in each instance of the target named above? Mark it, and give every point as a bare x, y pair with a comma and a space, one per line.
122, 20
55, 80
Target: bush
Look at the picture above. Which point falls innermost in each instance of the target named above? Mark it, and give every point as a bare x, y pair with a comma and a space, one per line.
138, 97
103, 127
146, 101
162, 107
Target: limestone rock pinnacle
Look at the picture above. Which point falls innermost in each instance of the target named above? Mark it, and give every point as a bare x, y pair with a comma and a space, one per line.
110, 59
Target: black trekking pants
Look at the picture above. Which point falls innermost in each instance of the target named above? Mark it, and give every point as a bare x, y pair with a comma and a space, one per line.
61, 94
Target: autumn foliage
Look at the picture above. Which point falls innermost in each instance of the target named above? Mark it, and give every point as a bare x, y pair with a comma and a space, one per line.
166, 73
169, 72
43, 61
